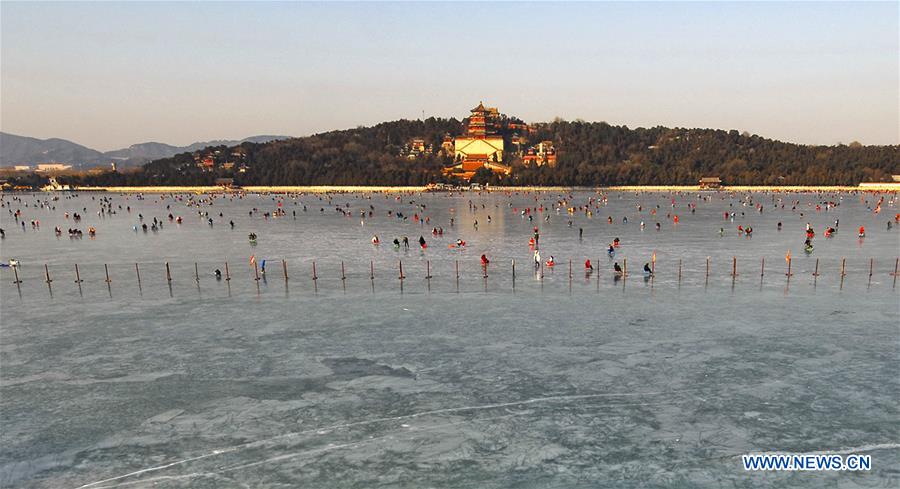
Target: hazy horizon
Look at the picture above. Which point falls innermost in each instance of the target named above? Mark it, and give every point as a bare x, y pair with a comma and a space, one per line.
109, 75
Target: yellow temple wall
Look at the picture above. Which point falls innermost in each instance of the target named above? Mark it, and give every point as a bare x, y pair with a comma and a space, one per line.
491, 145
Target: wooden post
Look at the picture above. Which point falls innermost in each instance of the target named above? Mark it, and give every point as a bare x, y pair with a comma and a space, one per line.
457, 270
371, 269
227, 275
816, 272
428, 269
16, 272
841, 286
871, 266
514, 268
168, 273
137, 272
570, 270
707, 268
343, 275
788, 274
256, 271
401, 269
77, 275
762, 267
896, 264
47, 273
734, 266
624, 267
106, 270
679, 270
284, 269
314, 276
196, 272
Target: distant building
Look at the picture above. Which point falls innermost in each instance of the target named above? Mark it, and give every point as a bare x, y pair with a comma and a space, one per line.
895, 178
415, 148
54, 186
542, 154
530, 157
516, 140
447, 145
50, 167
225, 182
22, 168
710, 182
480, 147
517, 125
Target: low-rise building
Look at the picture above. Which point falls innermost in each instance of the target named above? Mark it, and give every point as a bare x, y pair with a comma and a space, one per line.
710, 182
415, 148
55, 186
541, 154
447, 145
51, 167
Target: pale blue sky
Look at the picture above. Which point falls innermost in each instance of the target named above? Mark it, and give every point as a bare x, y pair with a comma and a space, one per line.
111, 74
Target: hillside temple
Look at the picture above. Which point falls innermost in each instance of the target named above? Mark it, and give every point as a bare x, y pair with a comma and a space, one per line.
481, 146
489, 140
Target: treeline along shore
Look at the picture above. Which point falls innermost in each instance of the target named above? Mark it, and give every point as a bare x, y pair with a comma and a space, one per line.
590, 154
872, 187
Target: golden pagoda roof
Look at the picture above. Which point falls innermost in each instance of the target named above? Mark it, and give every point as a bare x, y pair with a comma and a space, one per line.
480, 108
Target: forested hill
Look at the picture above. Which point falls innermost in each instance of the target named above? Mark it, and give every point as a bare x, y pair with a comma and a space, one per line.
588, 154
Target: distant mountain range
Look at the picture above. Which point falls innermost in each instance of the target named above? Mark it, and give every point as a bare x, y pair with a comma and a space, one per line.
22, 150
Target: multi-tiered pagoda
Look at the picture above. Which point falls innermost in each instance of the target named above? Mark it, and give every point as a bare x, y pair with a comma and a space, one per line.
480, 147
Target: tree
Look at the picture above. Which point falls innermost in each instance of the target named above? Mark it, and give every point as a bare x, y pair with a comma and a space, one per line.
588, 153
483, 175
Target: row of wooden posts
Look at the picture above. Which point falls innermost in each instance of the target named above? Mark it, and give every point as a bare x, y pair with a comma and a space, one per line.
484, 269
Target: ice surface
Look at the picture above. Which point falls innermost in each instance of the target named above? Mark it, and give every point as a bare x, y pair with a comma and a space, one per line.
344, 384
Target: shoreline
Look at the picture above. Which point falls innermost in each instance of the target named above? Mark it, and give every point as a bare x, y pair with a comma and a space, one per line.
865, 187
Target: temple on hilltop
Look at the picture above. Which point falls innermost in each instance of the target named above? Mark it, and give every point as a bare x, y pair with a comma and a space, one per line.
480, 147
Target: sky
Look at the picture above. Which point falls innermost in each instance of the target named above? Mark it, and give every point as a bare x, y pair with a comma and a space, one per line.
108, 75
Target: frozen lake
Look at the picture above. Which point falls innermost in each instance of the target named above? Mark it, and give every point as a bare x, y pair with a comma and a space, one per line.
541, 381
